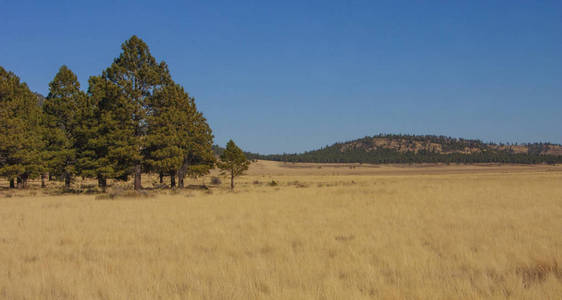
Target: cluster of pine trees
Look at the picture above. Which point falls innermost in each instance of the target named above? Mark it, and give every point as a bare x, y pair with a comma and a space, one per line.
390, 156
133, 119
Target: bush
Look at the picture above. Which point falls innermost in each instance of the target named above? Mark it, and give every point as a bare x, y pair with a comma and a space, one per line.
116, 193
215, 180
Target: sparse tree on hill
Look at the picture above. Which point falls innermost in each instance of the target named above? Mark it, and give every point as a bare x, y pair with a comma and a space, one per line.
233, 162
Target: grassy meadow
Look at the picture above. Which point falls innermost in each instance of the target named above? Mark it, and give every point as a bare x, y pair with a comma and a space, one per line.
294, 231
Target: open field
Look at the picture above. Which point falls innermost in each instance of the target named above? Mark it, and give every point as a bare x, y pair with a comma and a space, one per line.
320, 232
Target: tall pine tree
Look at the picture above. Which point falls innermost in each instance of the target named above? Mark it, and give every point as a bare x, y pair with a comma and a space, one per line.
20, 131
91, 145
179, 140
106, 135
132, 80
61, 116
199, 157
166, 132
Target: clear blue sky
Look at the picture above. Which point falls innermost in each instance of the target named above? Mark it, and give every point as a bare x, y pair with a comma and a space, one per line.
289, 76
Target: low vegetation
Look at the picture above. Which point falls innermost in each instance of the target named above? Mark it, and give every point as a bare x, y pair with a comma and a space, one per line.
471, 232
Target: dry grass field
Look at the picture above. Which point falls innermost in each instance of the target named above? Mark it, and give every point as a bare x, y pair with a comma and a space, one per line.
319, 232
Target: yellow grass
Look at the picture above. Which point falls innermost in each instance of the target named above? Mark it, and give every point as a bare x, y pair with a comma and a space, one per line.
335, 232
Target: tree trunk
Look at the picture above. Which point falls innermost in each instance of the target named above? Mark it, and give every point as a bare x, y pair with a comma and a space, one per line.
173, 179
180, 181
138, 177
232, 180
12, 184
67, 178
22, 182
102, 183
43, 185
182, 172
161, 177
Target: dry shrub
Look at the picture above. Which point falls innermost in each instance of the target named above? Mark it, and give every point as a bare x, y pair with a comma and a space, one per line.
158, 185
88, 186
174, 192
344, 238
197, 187
298, 184
116, 193
103, 197
94, 190
538, 272
273, 183
216, 180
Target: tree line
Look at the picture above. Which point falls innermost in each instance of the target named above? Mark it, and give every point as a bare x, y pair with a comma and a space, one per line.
133, 119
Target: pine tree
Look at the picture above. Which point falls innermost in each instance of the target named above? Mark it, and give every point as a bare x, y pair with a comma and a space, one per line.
199, 156
233, 162
91, 146
166, 131
105, 133
61, 118
133, 78
179, 140
20, 131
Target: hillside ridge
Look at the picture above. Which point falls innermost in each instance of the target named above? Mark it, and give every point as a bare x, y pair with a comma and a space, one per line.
399, 148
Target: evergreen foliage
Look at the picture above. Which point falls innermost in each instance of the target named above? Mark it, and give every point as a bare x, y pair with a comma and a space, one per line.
92, 141
21, 142
199, 157
179, 139
133, 119
233, 162
132, 80
61, 116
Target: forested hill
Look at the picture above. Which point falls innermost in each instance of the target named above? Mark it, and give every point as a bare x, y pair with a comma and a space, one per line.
391, 148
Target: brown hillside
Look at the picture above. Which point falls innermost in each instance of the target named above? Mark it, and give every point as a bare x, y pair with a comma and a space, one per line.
447, 147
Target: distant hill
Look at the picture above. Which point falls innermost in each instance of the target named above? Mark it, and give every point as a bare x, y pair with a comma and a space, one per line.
393, 148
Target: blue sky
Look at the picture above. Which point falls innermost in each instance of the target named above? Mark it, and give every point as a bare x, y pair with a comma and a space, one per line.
290, 76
